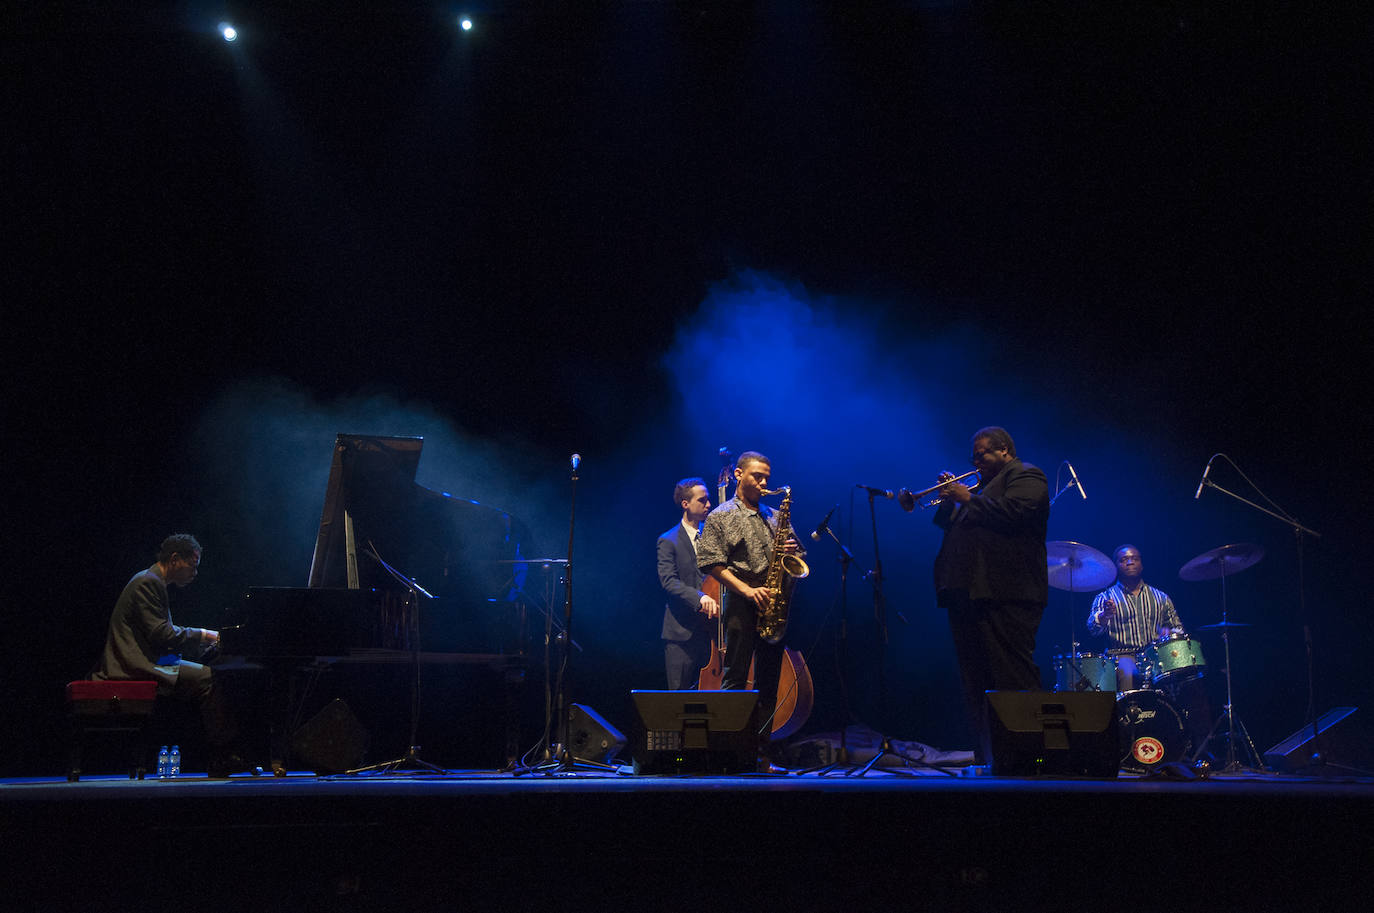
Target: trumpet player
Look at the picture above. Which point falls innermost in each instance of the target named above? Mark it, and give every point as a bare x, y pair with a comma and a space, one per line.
735, 547
991, 575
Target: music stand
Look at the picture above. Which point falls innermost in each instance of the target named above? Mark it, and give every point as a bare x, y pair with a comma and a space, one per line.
411, 760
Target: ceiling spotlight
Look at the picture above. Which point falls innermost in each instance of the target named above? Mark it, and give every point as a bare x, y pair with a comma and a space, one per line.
465, 23
228, 32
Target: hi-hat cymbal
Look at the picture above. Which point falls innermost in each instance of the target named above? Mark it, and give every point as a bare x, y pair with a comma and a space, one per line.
1223, 625
1222, 562
1078, 568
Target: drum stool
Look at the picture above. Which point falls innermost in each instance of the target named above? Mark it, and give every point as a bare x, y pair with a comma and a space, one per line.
108, 707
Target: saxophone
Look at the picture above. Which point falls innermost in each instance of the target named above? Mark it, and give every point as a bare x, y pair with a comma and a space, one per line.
783, 570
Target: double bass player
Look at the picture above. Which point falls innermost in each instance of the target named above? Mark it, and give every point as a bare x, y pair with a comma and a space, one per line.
689, 612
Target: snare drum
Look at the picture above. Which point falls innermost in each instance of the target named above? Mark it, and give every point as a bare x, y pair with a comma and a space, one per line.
1085, 672
1151, 731
1174, 659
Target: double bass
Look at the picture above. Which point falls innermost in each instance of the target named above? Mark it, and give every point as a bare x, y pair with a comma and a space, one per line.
796, 694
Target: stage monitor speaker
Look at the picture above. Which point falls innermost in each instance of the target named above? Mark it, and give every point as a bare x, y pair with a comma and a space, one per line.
1336, 742
1032, 733
696, 732
590, 737
333, 741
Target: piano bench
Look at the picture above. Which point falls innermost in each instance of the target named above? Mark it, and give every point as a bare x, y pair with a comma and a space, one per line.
102, 708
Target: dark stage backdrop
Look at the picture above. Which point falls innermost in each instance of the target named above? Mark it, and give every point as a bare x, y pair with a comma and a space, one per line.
643, 231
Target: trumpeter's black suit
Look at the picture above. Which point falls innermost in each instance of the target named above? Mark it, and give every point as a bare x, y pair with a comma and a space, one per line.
991, 578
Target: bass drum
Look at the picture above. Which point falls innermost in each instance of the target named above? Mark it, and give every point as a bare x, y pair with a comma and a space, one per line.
1152, 731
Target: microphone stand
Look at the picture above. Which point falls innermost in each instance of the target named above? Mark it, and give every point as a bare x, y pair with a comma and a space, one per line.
561, 751
846, 558
880, 615
411, 760
542, 602
1075, 658
1298, 531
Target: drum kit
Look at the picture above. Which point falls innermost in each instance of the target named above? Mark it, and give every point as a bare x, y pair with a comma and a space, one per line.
1152, 715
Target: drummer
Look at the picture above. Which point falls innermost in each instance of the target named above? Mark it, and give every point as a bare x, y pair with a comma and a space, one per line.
1131, 615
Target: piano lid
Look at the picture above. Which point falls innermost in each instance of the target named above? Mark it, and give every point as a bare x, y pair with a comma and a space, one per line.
451, 546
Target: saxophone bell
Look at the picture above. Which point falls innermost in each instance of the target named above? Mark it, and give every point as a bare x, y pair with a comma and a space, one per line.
792, 565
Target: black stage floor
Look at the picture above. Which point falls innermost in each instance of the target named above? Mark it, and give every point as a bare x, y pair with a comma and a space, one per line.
474, 840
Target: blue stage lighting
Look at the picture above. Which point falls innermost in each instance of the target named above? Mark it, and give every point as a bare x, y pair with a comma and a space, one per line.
228, 31
465, 23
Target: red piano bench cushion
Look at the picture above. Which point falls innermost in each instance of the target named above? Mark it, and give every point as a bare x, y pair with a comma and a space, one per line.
111, 697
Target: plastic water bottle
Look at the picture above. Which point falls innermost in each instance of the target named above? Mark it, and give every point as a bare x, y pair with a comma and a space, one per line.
174, 762
163, 763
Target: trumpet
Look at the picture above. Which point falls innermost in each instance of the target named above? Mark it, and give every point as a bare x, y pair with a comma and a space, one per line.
908, 498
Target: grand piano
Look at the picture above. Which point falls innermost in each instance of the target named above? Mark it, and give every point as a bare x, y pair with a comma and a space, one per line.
401, 575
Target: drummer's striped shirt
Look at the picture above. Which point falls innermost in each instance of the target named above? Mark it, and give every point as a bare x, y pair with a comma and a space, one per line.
1137, 620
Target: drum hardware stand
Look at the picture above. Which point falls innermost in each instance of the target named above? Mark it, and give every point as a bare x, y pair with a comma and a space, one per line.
1232, 721
1075, 665
1298, 531
411, 761
1073, 554
1228, 712
1075, 657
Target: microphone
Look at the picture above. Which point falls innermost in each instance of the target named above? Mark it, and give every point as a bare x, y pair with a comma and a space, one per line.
1074, 476
877, 492
825, 524
576, 461
1198, 493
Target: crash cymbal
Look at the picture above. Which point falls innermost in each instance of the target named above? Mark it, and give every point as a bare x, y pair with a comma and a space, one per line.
1223, 561
532, 561
1078, 568
1224, 625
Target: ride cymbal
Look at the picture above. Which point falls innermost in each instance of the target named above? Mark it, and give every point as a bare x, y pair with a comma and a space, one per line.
1222, 562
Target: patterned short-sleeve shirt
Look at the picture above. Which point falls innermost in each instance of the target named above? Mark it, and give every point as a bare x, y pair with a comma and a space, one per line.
740, 538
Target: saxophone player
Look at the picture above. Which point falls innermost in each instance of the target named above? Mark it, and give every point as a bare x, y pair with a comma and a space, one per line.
735, 547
